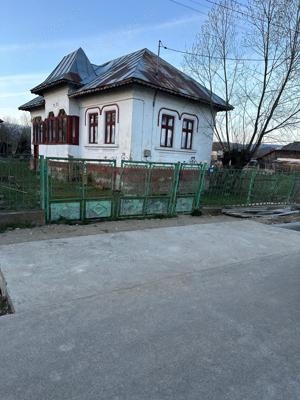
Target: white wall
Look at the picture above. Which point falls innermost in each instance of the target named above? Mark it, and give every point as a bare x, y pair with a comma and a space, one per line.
57, 99
137, 129
106, 102
146, 131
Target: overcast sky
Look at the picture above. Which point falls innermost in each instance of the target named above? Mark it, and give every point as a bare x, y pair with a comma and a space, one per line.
36, 34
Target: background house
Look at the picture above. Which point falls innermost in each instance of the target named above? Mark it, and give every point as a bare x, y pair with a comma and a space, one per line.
287, 158
135, 107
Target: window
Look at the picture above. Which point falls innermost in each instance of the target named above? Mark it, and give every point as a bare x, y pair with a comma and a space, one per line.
93, 128
37, 130
51, 127
110, 127
167, 130
74, 129
187, 133
63, 129
62, 126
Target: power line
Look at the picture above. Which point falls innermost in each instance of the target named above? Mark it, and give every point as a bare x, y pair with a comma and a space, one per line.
179, 3
187, 6
218, 58
245, 14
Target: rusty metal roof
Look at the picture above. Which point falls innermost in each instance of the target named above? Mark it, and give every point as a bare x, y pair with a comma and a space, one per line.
37, 102
144, 67
141, 67
74, 68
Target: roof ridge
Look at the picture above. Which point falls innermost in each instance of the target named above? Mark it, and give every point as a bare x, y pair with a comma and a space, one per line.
143, 51
117, 58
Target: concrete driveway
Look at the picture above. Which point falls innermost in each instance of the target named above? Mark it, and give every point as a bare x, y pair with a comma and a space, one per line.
194, 312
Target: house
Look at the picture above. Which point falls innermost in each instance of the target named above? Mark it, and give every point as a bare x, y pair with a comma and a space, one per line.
286, 158
134, 107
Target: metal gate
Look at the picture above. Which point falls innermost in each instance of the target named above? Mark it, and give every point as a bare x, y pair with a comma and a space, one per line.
147, 189
77, 189
190, 186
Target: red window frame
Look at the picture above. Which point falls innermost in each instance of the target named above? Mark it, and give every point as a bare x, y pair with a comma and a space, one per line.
167, 130
93, 128
187, 134
110, 127
47, 131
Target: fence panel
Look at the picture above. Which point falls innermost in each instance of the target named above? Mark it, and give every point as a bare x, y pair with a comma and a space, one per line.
19, 184
146, 189
271, 188
294, 195
226, 187
79, 189
189, 187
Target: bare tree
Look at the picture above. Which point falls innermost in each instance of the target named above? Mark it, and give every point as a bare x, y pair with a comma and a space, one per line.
256, 68
14, 138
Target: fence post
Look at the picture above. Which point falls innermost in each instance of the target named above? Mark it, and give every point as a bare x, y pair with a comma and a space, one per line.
251, 184
147, 188
175, 189
200, 186
292, 187
42, 182
46, 177
83, 189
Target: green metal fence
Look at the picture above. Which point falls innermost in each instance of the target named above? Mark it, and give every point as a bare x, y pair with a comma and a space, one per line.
19, 184
146, 189
81, 189
236, 187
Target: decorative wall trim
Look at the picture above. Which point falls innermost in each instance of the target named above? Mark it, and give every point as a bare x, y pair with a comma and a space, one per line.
179, 115
88, 109
112, 105
100, 109
166, 109
191, 115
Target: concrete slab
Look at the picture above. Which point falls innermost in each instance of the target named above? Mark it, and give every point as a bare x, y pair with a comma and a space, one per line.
226, 333
185, 313
51, 273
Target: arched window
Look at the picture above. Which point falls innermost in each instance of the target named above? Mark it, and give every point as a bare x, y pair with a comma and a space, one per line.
62, 126
187, 133
110, 127
37, 128
167, 130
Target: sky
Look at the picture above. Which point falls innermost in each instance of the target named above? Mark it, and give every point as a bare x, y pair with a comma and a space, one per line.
36, 34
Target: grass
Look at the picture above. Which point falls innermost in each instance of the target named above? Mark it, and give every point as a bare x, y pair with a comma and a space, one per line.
19, 186
9, 227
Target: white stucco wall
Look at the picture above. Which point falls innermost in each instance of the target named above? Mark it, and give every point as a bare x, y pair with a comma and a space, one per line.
138, 128
147, 128
119, 100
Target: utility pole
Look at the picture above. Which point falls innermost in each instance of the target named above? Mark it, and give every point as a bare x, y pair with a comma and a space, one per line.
158, 54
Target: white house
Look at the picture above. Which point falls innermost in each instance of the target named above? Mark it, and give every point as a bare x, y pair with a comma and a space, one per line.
135, 107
